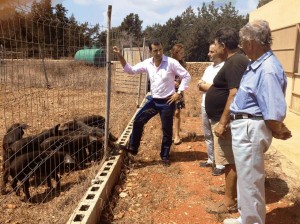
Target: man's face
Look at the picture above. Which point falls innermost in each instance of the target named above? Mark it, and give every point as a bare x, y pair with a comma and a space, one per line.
211, 53
246, 46
219, 49
157, 52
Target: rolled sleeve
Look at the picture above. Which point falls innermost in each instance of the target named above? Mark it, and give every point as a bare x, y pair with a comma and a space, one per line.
271, 98
184, 76
136, 69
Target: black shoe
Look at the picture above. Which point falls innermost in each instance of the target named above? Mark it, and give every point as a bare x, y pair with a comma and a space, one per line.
205, 164
128, 149
165, 162
217, 172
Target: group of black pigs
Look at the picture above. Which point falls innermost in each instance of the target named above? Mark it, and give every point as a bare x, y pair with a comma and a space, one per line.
49, 154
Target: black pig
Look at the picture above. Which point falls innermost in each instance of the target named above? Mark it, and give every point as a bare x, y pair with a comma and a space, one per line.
45, 164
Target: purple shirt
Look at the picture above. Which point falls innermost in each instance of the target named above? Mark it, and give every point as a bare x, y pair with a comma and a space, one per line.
162, 77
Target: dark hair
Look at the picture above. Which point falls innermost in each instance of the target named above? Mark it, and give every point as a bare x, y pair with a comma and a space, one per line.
155, 42
175, 50
229, 36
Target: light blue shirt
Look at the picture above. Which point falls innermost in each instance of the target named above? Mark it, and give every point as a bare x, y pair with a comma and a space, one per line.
262, 89
161, 77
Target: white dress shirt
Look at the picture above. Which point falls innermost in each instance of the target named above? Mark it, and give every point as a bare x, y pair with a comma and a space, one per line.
161, 77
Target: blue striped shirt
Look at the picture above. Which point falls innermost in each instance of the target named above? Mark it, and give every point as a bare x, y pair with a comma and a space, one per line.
262, 89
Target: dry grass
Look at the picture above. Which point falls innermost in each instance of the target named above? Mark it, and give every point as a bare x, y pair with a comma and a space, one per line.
76, 90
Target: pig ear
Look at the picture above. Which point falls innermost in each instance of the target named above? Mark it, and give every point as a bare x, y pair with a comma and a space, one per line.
68, 159
92, 138
24, 126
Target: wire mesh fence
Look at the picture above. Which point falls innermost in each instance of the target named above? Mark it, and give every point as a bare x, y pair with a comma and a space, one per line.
53, 81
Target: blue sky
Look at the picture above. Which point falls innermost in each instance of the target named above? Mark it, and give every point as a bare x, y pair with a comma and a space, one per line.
149, 11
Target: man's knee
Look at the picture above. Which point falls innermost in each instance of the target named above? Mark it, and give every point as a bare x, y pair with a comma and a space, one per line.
144, 117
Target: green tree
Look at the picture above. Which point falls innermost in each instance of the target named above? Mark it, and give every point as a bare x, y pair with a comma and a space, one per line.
72, 39
210, 19
170, 33
196, 30
132, 25
58, 38
40, 30
60, 13
186, 30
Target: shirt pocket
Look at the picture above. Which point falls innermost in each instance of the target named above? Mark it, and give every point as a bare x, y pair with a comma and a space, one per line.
242, 98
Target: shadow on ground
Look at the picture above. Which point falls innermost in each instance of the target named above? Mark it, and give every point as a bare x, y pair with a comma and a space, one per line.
276, 189
281, 215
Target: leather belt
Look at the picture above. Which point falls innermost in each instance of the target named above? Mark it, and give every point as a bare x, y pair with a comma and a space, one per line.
244, 116
167, 98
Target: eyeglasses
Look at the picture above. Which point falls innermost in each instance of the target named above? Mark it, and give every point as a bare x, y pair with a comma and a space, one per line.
243, 40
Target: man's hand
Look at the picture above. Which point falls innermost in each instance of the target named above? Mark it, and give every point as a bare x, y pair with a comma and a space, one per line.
200, 82
120, 57
220, 130
174, 98
283, 134
279, 130
116, 50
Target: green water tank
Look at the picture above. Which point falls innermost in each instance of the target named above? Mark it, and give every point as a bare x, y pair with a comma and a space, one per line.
94, 56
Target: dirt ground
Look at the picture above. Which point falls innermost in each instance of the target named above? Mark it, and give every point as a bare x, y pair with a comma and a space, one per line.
147, 192
150, 193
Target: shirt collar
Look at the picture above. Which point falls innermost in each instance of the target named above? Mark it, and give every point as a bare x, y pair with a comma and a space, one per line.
255, 64
218, 65
164, 58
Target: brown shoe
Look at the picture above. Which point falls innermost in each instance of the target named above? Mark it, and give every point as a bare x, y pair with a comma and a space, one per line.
218, 189
221, 208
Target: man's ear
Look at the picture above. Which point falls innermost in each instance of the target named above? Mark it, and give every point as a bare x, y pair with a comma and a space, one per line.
250, 44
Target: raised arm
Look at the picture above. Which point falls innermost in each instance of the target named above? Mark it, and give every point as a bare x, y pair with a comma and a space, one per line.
120, 56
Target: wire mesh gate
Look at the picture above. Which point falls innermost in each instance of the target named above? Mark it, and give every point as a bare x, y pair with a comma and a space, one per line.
53, 110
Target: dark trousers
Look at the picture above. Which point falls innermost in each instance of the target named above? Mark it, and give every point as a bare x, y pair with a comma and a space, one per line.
149, 110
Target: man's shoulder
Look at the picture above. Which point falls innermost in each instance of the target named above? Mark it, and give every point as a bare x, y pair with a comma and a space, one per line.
237, 60
169, 59
213, 68
148, 60
209, 67
241, 58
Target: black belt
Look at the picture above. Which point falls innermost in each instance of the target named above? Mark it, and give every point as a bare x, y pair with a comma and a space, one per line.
244, 116
162, 99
